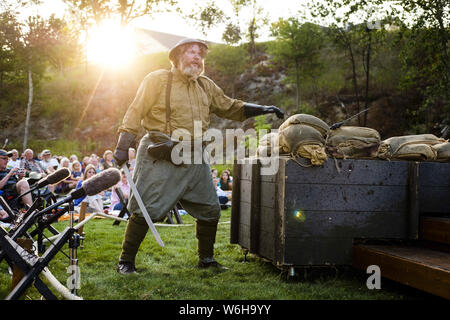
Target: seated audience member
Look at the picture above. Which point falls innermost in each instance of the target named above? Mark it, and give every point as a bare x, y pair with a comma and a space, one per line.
84, 163
72, 159
48, 163
77, 173
225, 182
93, 159
224, 196
11, 182
107, 161
14, 161
30, 164
95, 202
229, 174
131, 159
68, 184
125, 188
214, 173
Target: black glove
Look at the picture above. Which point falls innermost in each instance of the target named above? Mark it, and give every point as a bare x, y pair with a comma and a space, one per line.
125, 141
252, 110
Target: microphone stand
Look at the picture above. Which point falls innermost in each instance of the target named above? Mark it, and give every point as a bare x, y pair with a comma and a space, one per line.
74, 243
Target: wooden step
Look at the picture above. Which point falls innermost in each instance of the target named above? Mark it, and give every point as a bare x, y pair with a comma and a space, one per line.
418, 267
435, 229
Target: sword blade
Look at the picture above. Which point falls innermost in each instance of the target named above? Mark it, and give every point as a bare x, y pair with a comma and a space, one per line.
141, 205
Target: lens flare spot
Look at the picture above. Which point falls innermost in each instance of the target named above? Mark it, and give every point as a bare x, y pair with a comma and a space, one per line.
299, 215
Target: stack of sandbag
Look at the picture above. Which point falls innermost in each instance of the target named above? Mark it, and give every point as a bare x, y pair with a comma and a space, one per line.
353, 142
304, 135
411, 147
442, 151
268, 145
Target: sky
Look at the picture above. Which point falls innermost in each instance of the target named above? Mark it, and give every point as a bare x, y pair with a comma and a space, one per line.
174, 24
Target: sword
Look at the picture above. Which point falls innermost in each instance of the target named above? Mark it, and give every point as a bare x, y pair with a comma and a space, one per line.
141, 205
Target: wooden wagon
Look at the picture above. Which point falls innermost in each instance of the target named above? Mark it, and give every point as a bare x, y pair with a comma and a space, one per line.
338, 213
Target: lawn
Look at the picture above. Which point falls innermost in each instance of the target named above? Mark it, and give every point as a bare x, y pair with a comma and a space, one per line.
170, 273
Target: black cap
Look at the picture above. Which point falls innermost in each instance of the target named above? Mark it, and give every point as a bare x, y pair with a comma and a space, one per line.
5, 153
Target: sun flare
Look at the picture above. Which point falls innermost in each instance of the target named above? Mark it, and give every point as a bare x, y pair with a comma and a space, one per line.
111, 44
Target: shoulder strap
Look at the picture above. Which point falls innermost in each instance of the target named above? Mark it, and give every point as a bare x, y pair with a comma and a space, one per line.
168, 89
201, 84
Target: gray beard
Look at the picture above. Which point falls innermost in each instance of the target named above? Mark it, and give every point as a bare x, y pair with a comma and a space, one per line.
192, 72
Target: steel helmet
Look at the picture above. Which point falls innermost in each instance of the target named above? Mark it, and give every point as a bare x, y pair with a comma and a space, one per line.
182, 42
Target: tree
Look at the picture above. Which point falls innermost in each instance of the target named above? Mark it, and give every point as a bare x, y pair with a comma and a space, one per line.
425, 59
206, 17
37, 39
9, 46
232, 34
125, 10
63, 49
298, 47
257, 20
357, 30
211, 15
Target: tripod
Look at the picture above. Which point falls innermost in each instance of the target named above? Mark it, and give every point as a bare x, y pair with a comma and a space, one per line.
31, 264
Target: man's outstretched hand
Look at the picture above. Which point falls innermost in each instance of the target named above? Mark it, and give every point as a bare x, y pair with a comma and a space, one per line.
276, 110
252, 110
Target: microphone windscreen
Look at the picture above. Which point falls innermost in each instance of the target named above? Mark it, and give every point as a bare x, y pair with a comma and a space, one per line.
58, 175
102, 181
55, 177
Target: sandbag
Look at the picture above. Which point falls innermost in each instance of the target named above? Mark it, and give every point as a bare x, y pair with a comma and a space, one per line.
411, 147
353, 142
442, 151
304, 141
268, 145
306, 119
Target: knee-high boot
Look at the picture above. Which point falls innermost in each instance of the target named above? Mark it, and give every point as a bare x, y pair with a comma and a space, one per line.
206, 235
134, 235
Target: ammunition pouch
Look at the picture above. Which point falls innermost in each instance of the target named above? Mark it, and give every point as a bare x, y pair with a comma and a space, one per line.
161, 146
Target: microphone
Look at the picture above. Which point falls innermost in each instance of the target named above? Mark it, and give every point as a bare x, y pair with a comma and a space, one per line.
96, 184
55, 177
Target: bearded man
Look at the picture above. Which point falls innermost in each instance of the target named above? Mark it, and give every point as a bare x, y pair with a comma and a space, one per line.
167, 101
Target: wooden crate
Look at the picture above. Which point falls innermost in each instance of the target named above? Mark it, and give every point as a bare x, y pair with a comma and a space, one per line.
434, 189
311, 215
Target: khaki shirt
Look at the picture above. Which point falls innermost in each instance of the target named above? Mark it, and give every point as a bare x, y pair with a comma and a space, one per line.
189, 102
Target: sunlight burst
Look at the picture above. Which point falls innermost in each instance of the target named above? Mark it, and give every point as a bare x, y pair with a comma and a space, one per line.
111, 44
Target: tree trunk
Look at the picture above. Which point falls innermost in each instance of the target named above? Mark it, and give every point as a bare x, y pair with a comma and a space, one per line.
30, 101
297, 84
355, 86
251, 30
369, 48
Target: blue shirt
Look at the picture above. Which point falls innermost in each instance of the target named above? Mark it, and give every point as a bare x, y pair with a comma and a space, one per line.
76, 202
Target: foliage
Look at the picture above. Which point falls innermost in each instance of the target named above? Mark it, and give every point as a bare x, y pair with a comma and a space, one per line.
425, 60
298, 47
126, 11
400, 67
206, 17
229, 61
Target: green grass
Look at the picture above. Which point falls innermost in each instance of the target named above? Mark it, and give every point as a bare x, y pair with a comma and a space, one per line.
170, 273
